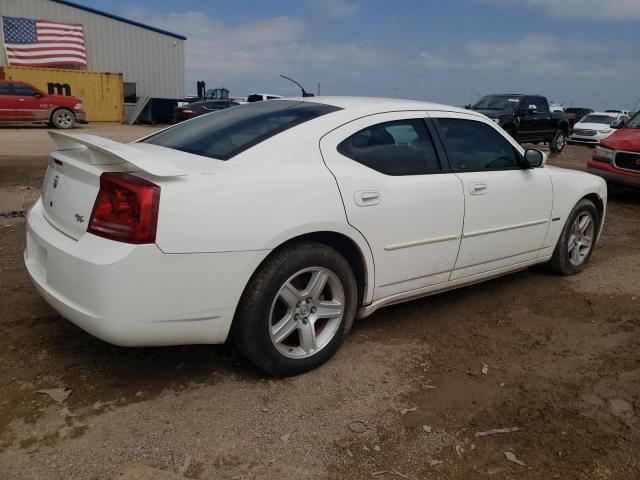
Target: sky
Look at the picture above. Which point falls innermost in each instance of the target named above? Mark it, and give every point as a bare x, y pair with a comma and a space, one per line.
576, 52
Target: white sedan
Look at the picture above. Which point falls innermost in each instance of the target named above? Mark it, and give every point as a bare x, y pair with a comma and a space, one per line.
280, 222
595, 127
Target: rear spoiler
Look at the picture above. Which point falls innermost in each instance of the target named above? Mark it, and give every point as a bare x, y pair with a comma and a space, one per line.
109, 152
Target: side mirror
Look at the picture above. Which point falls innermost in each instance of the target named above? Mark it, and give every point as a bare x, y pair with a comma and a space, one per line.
532, 108
534, 158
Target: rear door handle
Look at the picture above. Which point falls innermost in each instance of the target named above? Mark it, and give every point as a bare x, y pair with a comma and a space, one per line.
478, 188
366, 198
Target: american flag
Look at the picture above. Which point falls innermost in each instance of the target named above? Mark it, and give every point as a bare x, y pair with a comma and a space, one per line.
42, 43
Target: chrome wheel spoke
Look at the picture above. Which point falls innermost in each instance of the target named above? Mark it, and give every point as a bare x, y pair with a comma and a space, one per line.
575, 255
316, 284
584, 224
308, 340
330, 309
290, 295
285, 327
586, 242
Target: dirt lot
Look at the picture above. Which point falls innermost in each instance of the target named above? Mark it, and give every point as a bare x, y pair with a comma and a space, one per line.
403, 399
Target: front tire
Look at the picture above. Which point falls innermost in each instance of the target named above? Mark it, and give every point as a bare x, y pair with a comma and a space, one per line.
296, 310
577, 240
63, 119
558, 142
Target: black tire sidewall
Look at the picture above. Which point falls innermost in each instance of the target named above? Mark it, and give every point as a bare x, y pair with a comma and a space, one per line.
561, 255
253, 336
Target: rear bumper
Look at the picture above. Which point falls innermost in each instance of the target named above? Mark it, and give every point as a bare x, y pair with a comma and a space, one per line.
136, 295
613, 174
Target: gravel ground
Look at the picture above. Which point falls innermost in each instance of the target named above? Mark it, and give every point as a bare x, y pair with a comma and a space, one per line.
403, 398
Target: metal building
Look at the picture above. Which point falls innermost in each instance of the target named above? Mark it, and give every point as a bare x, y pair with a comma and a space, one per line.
151, 60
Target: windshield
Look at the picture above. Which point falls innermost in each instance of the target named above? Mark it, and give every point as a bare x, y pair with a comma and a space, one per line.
605, 119
226, 133
497, 102
634, 122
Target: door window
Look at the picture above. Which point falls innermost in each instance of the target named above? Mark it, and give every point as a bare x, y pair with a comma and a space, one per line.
24, 90
5, 89
474, 146
401, 147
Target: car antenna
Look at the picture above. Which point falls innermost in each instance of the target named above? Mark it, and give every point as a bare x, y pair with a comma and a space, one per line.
304, 92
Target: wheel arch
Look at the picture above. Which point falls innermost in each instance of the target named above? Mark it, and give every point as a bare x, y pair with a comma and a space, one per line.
564, 127
357, 255
600, 207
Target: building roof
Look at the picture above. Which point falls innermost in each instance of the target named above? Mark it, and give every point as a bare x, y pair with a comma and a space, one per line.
119, 18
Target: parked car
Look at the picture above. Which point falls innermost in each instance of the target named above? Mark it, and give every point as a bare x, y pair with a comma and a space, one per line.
22, 102
617, 159
623, 112
527, 118
579, 112
195, 109
260, 97
595, 127
264, 222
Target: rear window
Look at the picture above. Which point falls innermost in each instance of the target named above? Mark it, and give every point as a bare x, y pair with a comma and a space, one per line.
224, 134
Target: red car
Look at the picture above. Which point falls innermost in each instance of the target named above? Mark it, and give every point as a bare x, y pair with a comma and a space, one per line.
22, 102
617, 158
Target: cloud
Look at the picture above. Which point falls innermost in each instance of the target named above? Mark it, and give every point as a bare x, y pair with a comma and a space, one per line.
249, 56
335, 8
591, 9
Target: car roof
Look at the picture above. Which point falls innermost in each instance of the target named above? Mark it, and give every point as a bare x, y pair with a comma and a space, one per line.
608, 114
378, 104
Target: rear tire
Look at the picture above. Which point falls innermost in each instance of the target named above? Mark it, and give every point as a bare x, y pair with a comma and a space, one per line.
558, 142
575, 246
296, 310
63, 119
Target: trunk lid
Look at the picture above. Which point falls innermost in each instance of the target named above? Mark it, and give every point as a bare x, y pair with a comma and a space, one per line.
72, 180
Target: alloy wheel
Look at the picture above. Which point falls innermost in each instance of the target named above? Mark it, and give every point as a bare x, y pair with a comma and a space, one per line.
307, 312
581, 238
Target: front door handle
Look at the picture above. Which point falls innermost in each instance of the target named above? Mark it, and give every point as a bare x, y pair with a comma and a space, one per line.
366, 198
478, 188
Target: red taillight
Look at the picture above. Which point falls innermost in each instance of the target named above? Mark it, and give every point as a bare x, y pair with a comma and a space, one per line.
126, 209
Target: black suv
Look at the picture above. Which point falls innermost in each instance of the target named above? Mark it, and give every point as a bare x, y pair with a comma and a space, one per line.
527, 118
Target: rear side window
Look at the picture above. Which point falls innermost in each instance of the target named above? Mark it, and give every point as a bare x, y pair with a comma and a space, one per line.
5, 89
475, 146
228, 132
396, 148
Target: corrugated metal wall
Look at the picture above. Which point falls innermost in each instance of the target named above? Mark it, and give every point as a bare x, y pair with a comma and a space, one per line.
154, 61
101, 93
